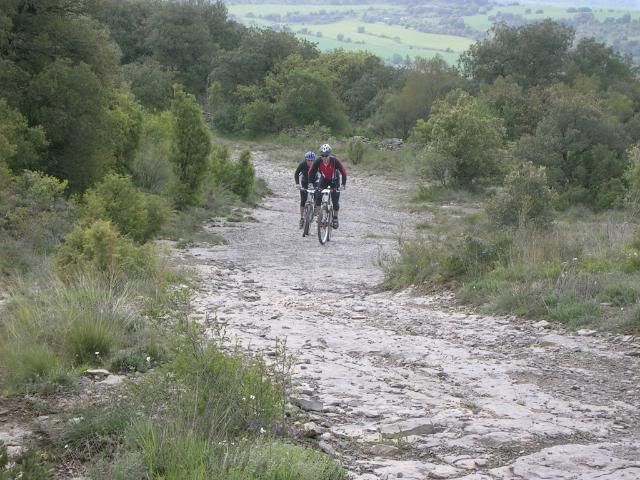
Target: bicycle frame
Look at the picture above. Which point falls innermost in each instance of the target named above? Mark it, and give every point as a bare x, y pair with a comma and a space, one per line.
309, 210
325, 222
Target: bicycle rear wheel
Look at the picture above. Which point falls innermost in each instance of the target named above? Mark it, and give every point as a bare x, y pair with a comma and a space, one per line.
308, 218
324, 225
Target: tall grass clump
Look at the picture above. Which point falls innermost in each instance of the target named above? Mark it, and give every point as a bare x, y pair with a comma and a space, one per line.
82, 320
205, 414
579, 273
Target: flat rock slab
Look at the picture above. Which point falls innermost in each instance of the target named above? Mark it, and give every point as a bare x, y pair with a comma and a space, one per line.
570, 462
309, 405
410, 428
385, 450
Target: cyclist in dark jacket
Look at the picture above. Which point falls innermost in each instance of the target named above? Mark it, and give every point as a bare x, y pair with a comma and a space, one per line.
332, 172
301, 177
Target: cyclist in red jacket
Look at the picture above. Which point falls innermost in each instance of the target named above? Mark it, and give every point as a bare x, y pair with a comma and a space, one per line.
332, 174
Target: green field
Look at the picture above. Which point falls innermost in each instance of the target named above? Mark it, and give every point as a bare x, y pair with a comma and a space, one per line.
284, 8
384, 38
380, 39
482, 22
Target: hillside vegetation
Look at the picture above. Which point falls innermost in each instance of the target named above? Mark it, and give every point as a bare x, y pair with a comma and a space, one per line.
104, 149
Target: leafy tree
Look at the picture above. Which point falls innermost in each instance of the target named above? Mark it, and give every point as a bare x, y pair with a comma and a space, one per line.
581, 145
126, 117
592, 58
259, 117
356, 78
179, 38
128, 22
520, 110
632, 178
71, 103
305, 98
463, 131
258, 53
292, 97
21, 147
152, 168
49, 29
192, 148
429, 80
151, 83
532, 54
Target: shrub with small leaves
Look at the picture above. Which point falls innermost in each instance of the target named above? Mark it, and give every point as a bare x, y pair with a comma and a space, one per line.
101, 247
525, 200
138, 215
356, 150
244, 176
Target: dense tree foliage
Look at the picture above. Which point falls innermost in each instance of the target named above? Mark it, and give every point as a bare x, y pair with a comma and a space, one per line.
463, 139
192, 149
88, 88
533, 54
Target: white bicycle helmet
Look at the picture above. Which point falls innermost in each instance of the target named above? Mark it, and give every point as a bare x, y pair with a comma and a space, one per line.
325, 150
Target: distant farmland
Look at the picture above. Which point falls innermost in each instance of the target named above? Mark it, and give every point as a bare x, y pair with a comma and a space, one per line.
395, 32
386, 41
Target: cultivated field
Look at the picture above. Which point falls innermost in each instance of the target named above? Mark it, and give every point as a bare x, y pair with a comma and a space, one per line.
351, 27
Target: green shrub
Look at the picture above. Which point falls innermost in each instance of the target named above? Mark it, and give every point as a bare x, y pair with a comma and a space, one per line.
526, 199
152, 169
190, 156
631, 322
416, 264
280, 461
575, 313
238, 177
99, 246
34, 218
99, 432
136, 214
356, 150
232, 391
619, 294
244, 176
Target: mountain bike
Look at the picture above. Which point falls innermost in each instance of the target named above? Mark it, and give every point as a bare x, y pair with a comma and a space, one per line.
309, 210
325, 216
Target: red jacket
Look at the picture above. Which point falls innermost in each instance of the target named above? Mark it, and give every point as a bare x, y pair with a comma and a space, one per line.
329, 171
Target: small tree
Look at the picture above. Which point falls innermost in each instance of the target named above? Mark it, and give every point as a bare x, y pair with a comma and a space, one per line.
192, 148
526, 200
462, 130
355, 151
244, 176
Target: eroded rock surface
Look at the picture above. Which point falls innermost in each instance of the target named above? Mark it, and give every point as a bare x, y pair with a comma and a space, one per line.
458, 395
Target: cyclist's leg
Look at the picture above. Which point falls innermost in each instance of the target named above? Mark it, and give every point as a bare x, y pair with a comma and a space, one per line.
303, 199
335, 198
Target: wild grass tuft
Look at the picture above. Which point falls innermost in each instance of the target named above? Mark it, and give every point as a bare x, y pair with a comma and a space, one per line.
578, 273
82, 320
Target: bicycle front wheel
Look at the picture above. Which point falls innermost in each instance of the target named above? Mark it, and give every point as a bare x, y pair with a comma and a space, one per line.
308, 218
324, 225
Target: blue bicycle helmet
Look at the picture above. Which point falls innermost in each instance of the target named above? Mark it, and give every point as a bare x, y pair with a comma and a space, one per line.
310, 156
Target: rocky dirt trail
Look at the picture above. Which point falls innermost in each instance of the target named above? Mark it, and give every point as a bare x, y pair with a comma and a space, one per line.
397, 385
